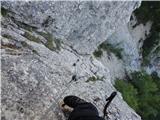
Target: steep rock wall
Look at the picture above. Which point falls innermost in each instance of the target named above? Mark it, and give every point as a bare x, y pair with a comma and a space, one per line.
130, 38
41, 56
82, 24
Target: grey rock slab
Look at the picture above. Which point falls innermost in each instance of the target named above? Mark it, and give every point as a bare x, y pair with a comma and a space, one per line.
35, 78
81, 23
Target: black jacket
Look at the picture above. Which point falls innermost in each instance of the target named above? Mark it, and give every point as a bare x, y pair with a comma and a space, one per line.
85, 111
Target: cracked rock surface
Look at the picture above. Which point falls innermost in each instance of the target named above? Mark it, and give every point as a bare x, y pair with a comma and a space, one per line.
85, 23
45, 44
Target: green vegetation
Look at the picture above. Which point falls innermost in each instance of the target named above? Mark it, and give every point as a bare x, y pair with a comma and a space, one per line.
7, 36
98, 53
49, 44
142, 93
95, 78
50, 41
129, 93
149, 11
31, 37
109, 48
4, 12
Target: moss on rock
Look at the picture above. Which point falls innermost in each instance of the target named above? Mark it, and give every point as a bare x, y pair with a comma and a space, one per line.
109, 48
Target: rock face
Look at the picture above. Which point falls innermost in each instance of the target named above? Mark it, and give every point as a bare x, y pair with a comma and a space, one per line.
130, 38
47, 44
85, 23
154, 66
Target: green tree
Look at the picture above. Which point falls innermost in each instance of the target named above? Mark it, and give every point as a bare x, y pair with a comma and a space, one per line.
129, 93
149, 11
142, 93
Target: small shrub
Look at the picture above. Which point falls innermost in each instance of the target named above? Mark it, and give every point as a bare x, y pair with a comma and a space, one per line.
4, 12
98, 53
95, 78
50, 41
31, 37
116, 51
109, 48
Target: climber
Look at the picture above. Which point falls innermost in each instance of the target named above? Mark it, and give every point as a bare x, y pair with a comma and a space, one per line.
79, 109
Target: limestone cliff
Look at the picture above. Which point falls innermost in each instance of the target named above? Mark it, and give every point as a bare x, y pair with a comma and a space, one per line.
45, 44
